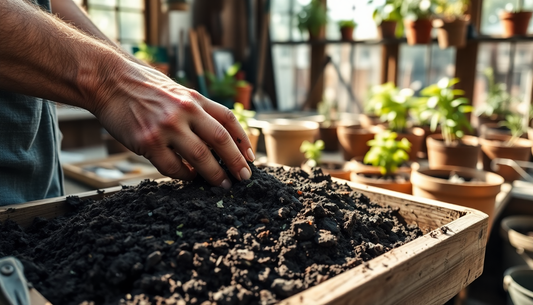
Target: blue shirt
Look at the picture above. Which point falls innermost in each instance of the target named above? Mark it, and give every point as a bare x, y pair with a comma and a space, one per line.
29, 147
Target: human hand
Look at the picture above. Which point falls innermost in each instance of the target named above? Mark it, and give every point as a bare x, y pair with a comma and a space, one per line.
168, 123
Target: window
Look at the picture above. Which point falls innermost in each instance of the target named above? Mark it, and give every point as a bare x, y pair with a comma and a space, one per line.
120, 20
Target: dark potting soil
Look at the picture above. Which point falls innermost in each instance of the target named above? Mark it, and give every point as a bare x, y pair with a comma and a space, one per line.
190, 243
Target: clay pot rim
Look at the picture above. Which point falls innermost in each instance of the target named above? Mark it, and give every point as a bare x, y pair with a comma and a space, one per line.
467, 140
450, 22
362, 179
357, 166
358, 129
498, 140
426, 175
289, 125
509, 15
517, 239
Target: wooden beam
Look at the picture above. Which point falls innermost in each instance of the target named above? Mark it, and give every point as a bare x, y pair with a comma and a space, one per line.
389, 63
316, 85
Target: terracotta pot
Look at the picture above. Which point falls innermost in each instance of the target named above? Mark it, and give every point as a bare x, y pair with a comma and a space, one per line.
243, 95
283, 140
347, 33
334, 169
515, 24
387, 30
418, 31
484, 119
328, 134
478, 192
253, 135
465, 153
376, 179
493, 146
353, 139
320, 35
451, 33
416, 136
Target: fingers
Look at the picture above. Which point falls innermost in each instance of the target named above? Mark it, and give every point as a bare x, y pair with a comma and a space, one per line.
225, 117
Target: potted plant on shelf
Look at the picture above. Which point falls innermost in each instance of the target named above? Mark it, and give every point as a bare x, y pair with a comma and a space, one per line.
243, 116
393, 106
243, 90
223, 90
313, 18
497, 102
445, 109
347, 27
385, 156
313, 155
515, 19
507, 147
388, 18
328, 125
417, 16
452, 23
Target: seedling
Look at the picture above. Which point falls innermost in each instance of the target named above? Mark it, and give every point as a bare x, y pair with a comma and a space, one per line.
312, 151
515, 123
347, 24
312, 17
387, 153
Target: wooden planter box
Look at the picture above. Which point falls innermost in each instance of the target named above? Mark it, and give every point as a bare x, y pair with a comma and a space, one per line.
429, 270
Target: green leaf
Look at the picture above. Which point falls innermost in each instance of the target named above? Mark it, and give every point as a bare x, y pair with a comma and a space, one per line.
220, 204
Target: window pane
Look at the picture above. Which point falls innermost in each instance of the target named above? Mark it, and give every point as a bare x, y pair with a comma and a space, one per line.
105, 21
102, 2
138, 4
131, 26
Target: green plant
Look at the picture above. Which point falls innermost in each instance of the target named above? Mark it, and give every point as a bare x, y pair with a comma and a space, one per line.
451, 9
444, 108
387, 153
498, 99
224, 87
312, 151
242, 115
515, 123
146, 53
392, 105
347, 24
312, 17
329, 111
418, 9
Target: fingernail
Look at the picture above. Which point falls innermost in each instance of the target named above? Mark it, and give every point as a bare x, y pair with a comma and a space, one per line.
251, 155
226, 184
245, 173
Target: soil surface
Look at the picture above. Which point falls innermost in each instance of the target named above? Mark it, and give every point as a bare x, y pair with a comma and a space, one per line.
190, 243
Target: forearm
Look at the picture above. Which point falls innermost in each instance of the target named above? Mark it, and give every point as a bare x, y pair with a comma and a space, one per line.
69, 12
42, 56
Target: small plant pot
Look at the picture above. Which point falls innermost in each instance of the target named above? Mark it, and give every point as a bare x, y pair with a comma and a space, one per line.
478, 191
346, 33
370, 120
518, 282
494, 146
284, 138
318, 36
353, 139
418, 31
515, 24
243, 95
328, 134
464, 153
451, 33
253, 134
387, 30
518, 248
